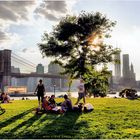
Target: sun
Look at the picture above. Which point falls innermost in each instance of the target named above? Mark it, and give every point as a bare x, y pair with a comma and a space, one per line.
95, 40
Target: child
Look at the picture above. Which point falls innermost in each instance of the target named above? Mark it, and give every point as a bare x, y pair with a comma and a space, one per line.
52, 102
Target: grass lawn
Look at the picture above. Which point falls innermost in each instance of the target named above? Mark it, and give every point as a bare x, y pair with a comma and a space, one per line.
111, 119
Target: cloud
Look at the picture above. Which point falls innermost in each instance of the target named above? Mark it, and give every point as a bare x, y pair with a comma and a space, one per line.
15, 10
24, 50
7, 40
4, 36
52, 10
13, 13
59, 6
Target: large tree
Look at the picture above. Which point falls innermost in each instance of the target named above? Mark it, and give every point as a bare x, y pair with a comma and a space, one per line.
77, 43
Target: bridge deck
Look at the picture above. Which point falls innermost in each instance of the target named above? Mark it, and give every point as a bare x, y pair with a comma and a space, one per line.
22, 75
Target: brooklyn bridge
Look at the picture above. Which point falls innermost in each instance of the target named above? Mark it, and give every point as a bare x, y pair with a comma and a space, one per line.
29, 78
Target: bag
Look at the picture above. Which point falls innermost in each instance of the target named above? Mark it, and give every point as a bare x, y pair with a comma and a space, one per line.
88, 107
78, 108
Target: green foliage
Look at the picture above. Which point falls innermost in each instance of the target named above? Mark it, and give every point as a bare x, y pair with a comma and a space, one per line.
77, 43
111, 119
97, 82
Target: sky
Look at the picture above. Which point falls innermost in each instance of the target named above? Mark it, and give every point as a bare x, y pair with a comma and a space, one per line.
22, 24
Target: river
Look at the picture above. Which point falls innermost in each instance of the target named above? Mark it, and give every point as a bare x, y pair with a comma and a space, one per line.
73, 94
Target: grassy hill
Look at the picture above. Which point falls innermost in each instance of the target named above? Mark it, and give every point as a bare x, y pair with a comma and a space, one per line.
112, 118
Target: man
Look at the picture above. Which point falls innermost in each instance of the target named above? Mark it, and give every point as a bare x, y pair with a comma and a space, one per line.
81, 91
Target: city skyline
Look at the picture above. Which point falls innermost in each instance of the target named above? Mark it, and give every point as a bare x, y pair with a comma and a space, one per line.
22, 23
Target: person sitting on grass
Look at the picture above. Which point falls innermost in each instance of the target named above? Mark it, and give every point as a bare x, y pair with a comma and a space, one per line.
50, 105
67, 104
1, 97
5, 98
52, 102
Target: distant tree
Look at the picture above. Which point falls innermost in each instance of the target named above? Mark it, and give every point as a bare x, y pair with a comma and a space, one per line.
77, 43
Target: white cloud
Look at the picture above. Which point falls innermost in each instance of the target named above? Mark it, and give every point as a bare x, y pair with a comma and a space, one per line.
15, 10
51, 10
54, 10
8, 40
11, 13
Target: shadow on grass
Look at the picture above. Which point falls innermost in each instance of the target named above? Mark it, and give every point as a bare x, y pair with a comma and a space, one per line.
61, 126
43, 126
14, 118
133, 99
46, 126
2, 110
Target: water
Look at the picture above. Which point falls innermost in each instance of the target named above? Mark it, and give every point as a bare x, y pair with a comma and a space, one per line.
73, 94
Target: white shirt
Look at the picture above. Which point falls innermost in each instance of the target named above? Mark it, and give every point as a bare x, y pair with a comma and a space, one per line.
81, 88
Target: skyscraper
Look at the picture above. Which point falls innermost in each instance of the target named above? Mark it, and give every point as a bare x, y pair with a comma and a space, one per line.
40, 69
126, 70
132, 74
118, 67
54, 68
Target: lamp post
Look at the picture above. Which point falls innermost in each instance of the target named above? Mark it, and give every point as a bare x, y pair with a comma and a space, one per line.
54, 89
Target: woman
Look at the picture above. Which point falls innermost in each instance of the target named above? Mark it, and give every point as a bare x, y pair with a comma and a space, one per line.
67, 104
40, 89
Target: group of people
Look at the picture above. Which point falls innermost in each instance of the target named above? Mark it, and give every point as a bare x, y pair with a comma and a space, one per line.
48, 103
4, 98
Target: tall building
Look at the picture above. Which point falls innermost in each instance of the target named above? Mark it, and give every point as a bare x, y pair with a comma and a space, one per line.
54, 68
15, 70
40, 69
128, 78
132, 74
126, 70
117, 68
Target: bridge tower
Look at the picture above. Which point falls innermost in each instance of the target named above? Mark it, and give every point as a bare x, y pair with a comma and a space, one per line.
5, 68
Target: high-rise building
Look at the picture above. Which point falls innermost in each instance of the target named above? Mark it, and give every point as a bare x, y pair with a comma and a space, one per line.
117, 68
132, 74
54, 68
40, 69
128, 78
15, 70
126, 70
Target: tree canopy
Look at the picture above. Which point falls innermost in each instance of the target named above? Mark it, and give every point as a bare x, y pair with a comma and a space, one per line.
77, 43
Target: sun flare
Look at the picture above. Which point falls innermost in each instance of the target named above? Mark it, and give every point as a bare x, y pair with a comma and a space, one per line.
95, 40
